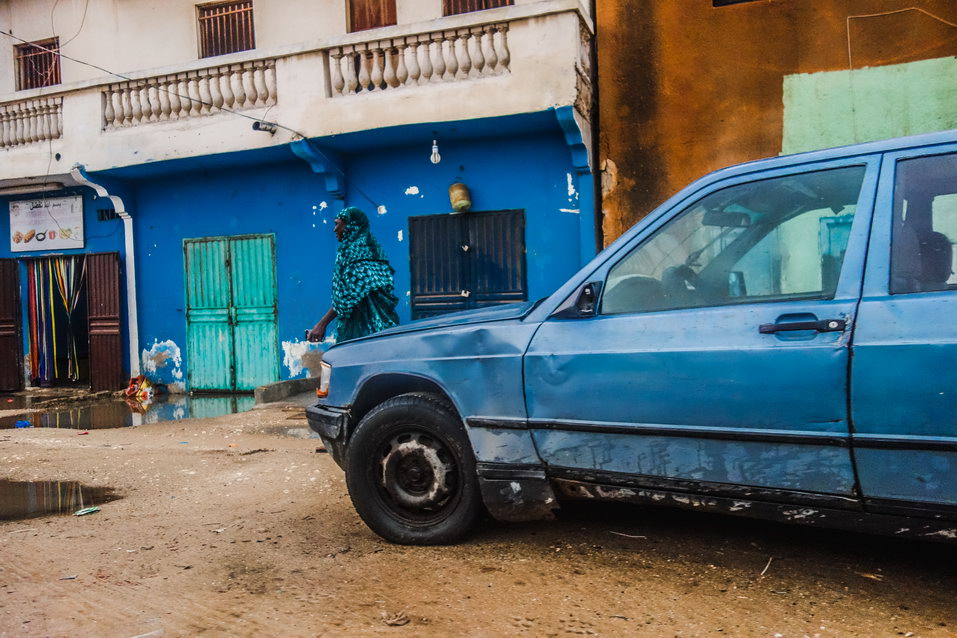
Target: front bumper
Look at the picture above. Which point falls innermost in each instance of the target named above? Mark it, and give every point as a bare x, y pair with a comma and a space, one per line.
330, 423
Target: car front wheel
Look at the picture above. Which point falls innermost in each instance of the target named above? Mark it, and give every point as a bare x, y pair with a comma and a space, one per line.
411, 472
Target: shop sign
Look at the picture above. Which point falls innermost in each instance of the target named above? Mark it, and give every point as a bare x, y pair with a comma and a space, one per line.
50, 223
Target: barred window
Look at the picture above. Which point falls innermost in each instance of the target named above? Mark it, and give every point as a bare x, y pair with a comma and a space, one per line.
453, 7
226, 27
38, 64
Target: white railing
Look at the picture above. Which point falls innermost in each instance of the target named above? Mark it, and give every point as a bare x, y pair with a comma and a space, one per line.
29, 121
440, 56
190, 94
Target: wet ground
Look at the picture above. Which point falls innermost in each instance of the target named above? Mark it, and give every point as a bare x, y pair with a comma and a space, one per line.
28, 499
113, 412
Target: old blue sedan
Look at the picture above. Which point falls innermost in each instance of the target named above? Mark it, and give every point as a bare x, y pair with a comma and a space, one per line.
776, 340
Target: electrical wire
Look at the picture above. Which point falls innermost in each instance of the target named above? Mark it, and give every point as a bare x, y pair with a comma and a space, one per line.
315, 148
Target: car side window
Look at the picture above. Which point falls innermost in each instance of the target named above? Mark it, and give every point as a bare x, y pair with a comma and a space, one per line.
770, 240
925, 225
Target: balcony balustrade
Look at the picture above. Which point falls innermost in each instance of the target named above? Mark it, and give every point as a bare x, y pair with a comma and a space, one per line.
440, 56
529, 56
28, 121
180, 96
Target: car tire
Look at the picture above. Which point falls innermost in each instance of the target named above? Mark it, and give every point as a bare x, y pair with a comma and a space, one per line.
410, 471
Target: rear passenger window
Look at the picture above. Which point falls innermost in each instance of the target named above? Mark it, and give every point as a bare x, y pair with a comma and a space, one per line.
777, 239
925, 225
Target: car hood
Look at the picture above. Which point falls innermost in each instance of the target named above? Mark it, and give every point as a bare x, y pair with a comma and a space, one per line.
479, 315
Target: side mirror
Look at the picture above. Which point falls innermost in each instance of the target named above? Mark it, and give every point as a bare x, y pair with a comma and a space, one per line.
584, 304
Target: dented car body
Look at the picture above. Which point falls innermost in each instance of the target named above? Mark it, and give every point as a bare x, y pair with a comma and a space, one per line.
776, 340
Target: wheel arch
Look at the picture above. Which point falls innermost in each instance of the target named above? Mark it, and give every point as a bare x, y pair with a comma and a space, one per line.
383, 387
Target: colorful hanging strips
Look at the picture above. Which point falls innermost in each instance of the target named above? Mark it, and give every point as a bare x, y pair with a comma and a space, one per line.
54, 287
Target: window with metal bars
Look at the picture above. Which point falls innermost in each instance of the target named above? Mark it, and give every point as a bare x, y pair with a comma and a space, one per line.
453, 7
226, 27
370, 14
37, 64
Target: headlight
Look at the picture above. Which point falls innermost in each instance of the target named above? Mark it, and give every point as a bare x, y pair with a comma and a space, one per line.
325, 373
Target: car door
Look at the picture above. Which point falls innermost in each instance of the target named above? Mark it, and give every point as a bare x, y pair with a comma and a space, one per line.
718, 357
904, 371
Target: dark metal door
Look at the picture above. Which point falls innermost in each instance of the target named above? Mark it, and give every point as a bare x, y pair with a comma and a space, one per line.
437, 248
466, 261
11, 362
496, 258
106, 344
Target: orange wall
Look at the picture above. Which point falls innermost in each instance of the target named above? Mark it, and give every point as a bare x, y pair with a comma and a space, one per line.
686, 88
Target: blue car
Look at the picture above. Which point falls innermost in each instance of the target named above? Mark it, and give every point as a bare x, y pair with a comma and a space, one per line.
777, 340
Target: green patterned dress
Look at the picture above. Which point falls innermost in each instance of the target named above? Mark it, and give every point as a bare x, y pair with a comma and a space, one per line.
362, 285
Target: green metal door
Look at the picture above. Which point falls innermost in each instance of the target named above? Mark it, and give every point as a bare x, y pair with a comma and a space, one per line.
253, 273
231, 334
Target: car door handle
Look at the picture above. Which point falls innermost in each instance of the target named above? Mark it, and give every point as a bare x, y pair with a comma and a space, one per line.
823, 325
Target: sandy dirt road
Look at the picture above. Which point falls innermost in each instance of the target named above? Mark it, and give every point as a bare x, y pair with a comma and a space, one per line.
227, 527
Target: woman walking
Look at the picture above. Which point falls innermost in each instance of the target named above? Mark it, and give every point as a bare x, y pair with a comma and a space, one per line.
363, 298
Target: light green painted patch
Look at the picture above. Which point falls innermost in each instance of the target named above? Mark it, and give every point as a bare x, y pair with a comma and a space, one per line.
834, 108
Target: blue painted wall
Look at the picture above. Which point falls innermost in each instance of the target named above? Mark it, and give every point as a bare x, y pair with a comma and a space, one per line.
522, 162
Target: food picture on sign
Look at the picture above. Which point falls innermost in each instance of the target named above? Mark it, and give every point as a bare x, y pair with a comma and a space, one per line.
46, 224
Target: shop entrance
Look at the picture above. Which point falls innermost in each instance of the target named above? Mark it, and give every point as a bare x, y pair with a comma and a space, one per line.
70, 314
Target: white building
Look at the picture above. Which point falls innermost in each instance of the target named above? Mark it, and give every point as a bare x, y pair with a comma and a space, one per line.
195, 155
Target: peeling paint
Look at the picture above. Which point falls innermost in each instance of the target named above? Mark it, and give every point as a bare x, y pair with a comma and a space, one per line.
576, 211
163, 362
571, 186
323, 206
295, 355
381, 209
400, 235
412, 190
515, 487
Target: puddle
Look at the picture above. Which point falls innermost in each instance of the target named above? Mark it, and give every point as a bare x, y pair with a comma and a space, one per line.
28, 499
119, 413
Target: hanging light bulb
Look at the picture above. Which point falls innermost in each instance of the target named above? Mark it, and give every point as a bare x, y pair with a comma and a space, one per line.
436, 158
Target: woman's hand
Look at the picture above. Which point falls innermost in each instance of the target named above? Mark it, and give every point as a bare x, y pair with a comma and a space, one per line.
318, 332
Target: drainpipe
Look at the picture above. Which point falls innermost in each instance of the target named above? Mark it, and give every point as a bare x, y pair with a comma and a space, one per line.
79, 175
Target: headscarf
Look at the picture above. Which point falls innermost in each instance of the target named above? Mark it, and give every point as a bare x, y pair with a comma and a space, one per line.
361, 264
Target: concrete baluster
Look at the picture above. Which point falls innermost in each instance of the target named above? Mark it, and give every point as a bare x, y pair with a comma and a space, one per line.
215, 91
376, 75
249, 87
205, 97
225, 87
462, 54
175, 101
401, 70
236, 82
501, 47
162, 92
448, 56
259, 81
108, 112
435, 57
192, 90
152, 101
388, 73
59, 117
272, 86
350, 60
488, 50
362, 61
412, 57
425, 61
475, 53
335, 68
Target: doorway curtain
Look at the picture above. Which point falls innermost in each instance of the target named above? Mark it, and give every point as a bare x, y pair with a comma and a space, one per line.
54, 287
